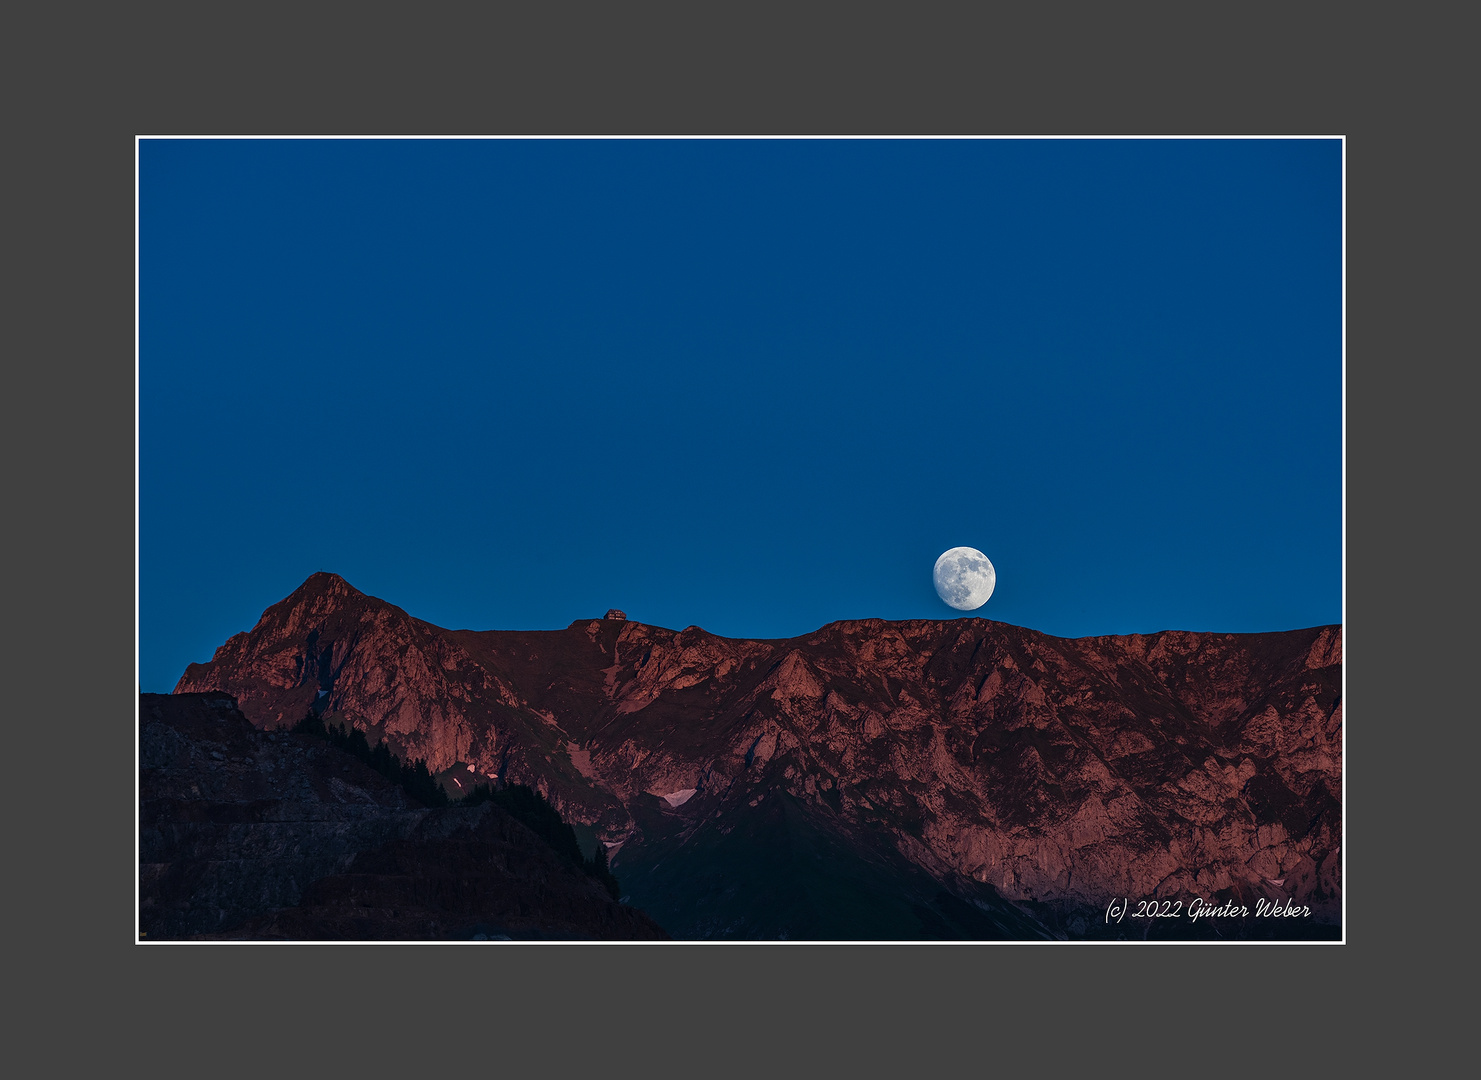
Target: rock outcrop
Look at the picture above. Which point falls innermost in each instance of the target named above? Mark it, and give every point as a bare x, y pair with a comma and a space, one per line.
895, 779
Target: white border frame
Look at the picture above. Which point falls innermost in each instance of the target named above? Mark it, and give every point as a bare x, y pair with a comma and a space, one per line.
1342, 705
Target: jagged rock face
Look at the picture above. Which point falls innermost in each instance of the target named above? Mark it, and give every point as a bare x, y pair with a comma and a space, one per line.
252, 834
1005, 767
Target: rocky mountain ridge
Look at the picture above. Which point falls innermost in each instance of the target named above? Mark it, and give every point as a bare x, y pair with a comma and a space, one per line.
919, 776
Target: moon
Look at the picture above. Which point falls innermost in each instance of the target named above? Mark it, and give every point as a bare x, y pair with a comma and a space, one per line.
964, 578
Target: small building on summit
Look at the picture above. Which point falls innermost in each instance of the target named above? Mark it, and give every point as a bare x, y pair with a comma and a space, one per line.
615, 614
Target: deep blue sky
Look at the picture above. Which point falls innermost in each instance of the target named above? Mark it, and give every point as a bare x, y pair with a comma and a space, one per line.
751, 385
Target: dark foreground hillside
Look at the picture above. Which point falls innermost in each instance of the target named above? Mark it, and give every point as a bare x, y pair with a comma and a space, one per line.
277, 835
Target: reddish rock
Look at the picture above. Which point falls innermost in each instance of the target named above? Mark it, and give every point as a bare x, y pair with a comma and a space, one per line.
953, 762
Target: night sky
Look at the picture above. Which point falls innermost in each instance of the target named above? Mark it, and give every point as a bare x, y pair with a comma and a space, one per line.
751, 385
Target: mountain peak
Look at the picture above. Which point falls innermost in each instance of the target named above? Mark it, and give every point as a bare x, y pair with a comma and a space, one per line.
323, 581
321, 592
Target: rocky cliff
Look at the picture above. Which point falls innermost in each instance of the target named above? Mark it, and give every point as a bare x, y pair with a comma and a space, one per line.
963, 778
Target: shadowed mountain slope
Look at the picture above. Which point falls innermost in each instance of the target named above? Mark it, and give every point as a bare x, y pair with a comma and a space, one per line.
252, 834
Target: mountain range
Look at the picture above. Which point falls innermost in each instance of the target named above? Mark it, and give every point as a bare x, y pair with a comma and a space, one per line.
872, 780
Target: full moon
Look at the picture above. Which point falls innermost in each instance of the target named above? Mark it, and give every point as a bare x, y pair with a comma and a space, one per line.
964, 578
